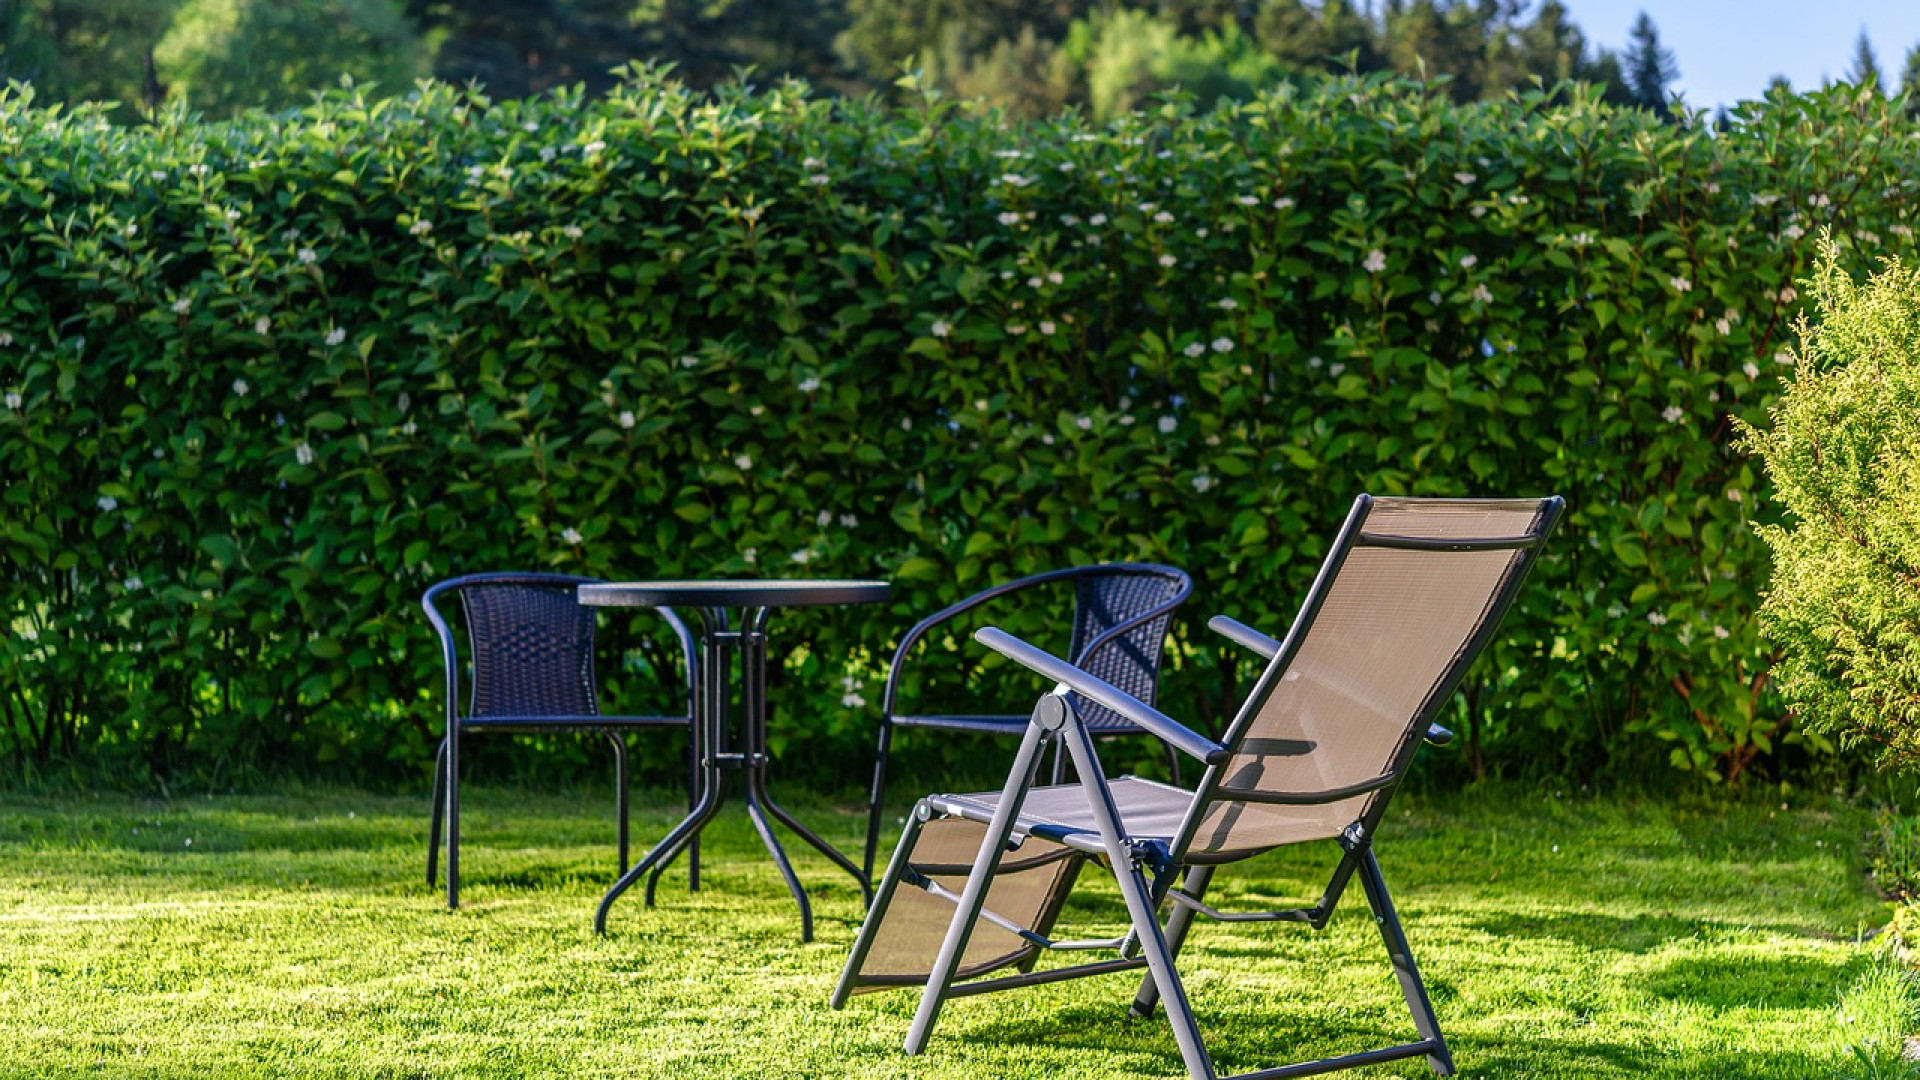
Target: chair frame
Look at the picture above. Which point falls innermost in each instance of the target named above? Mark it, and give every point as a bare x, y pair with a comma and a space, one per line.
1010, 724
1145, 869
446, 776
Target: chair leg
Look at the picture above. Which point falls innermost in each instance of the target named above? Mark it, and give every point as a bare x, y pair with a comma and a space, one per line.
453, 819
1195, 885
1026, 764
1141, 910
1411, 987
437, 808
620, 791
882, 899
877, 795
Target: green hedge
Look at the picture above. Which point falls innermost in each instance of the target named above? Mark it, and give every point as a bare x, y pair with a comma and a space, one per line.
266, 380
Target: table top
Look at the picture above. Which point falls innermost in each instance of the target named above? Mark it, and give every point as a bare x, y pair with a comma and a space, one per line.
761, 593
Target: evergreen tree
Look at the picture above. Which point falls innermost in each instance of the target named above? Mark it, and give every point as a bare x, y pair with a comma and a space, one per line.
1650, 69
1866, 66
1910, 81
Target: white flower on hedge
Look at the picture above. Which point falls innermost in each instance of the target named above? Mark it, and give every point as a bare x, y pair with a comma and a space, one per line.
1615, 611
335, 336
1166, 425
571, 535
1721, 632
261, 325
14, 400
1794, 232
906, 423
849, 521
106, 503
1283, 204
182, 306
1788, 294
751, 556
1016, 329
813, 164
240, 388
1482, 294
1784, 358
158, 174
408, 428
626, 418
1168, 261
1046, 327
1084, 423
803, 556
134, 584
1016, 180
1750, 369
1734, 495
1467, 262
1163, 218
1248, 200
197, 169
1148, 208
1056, 277
1222, 345
548, 153
1195, 350
592, 148
1723, 326
1097, 219
1680, 284
573, 232
1008, 218
1376, 261
1819, 200
1478, 211
824, 519
1673, 414
421, 227
689, 361
819, 179
743, 462
1227, 304
940, 328
303, 454
1034, 281
1202, 482
1464, 177
307, 256
809, 384
1657, 618
852, 700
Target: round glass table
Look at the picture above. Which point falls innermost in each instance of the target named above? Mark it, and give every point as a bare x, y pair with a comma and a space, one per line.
715, 602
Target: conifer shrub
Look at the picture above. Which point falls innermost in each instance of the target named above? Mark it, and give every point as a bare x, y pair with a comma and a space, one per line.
1843, 455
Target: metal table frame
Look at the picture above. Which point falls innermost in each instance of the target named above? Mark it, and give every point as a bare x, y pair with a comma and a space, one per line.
712, 601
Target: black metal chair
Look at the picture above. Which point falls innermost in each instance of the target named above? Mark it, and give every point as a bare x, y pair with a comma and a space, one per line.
530, 646
1120, 617
1408, 597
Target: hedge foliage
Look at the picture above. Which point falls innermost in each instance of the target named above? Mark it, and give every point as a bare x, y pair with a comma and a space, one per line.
265, 380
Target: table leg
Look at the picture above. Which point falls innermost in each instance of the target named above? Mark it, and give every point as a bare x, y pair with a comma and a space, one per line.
708, 709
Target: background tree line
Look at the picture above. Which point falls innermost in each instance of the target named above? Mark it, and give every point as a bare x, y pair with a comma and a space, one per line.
1033, 57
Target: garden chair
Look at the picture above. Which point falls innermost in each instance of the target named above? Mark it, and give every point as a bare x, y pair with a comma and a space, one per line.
530, 647
1409, 595
1120, 617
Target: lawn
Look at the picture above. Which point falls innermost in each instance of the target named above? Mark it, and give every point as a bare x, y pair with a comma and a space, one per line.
1562, 937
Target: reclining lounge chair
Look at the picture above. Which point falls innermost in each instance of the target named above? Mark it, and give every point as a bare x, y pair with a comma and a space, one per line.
1409, 595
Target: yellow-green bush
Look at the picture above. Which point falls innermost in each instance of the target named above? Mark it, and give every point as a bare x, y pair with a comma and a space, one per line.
268, 378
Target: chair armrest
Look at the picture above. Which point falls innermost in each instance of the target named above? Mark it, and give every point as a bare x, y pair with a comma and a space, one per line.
1438, 736
1243, 635
919, 630
1169, 730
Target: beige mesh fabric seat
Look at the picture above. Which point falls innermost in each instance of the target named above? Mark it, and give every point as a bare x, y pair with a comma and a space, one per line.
1408, 597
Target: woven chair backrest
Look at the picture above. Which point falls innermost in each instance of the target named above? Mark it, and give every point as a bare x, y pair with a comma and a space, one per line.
532, 649
1105, 598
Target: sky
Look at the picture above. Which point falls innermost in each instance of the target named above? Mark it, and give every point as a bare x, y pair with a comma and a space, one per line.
1729, 49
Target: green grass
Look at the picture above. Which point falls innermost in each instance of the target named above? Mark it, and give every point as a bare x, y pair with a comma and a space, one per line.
294, 936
